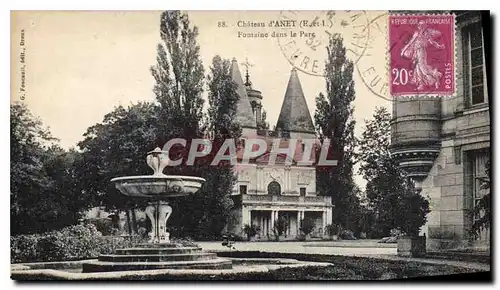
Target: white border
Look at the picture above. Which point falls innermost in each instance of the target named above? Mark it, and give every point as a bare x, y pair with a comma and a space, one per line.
204, 5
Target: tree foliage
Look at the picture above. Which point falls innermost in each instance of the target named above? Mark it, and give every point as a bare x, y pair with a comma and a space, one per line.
334, 121
222, 101
178, 76
307, 226
117, 147
251, 230
44, 191
279, 227
393, 199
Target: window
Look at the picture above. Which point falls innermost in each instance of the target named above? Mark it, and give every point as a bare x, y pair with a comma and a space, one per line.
474, 64
274, 188
475, 177
479, 175
303, 147
243, 189
302, 191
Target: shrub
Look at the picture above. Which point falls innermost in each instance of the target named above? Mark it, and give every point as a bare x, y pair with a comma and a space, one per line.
71, 243
23, 247
279, 227
307, 226
251, 230
103, 225
347, 235
413, 214
332, 229
185, 242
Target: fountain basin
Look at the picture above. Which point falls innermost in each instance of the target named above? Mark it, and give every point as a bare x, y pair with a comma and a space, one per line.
157, 256
159, 186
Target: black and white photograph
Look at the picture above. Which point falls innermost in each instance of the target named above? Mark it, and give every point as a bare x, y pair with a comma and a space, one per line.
245, 145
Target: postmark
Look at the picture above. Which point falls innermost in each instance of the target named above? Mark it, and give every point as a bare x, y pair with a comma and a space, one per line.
307, 51
371, 68
421, 55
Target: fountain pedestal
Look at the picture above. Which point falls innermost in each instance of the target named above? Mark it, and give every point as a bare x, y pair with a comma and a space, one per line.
159, 212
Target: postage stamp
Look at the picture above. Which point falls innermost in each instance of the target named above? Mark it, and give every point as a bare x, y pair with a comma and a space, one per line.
422, 55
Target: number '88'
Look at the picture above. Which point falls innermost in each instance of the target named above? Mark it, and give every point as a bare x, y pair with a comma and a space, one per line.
401, 76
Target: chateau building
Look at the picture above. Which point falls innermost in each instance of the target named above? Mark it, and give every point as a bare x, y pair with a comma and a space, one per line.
265, 192
444, 143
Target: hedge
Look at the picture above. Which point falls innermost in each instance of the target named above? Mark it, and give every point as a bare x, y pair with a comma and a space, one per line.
71, 243
76, 242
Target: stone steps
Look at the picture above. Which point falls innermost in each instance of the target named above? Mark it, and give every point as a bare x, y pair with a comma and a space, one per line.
157, 251
102, 266
158, 258
159, 245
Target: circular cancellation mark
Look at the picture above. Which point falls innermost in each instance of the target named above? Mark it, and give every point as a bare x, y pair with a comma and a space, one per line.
307, 51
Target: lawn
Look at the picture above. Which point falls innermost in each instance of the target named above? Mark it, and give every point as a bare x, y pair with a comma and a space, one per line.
343, 268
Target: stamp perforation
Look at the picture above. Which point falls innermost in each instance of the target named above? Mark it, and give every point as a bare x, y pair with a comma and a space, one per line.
453, 50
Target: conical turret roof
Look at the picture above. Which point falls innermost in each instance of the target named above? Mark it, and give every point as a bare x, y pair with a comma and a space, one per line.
245, 116
295, 115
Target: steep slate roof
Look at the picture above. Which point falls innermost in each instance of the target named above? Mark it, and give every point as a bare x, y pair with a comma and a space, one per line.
245, 113
295, 115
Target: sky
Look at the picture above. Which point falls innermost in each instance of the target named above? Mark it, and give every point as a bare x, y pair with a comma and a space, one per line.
79, 65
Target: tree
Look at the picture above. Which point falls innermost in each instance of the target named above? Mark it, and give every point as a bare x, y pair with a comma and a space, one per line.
251, 231
413, 209
44, 195
334, 122
27, 144
279, 227
68, 200
179, 80
307, 226
179, 77
117, 147
374, 143
222, 101
392, 197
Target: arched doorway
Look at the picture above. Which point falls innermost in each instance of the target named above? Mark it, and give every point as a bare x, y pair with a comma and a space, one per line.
274, 188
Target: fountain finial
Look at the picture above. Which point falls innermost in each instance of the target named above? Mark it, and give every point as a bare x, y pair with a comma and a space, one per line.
157, 160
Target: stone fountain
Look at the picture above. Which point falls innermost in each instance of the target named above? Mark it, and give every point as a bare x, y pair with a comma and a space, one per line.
159, 252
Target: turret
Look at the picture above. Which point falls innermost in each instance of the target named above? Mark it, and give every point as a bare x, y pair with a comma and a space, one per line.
415, 138
245, 115
254, 96
295, 119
